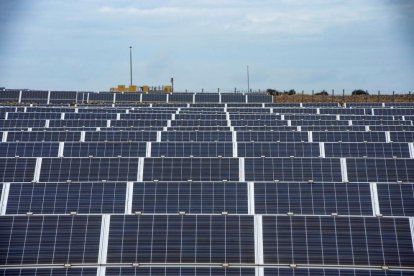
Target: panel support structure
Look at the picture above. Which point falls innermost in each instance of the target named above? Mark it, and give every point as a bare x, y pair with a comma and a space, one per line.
62, 116
250, 198
4, 198
322, 149
194, 98
235, 150
310, 136
61, 149
258, 239
114, 100
118, 116
47, 123
367, 128
234, 137
338, 117
410, 148
140, 174
128, 198
219, 97
412, 230
387, 137
374, 199
6, 116
148, 150
103, 241
372, 112
108, 123
289, 122
140, 98
158, 136
4, 137
20, 97
349, 122
241, 169
318, 110
247, 98
48, 97
168, 98
38, 167
82, 137
344, 170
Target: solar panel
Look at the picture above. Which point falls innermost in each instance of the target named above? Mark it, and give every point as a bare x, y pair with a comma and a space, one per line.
192, 198
362, 241
380, 170
181, 271
396, 199
194, 169
49, 239
301, 271
64, 198
278, 149
108, 149
17, 169
200, 136
293, 169
29, 149
313, 198
48, 271
181, 239
195, 149
39, 136
88, 169
374, 150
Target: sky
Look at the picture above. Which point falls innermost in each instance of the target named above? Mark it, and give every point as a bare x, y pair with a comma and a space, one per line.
306, 45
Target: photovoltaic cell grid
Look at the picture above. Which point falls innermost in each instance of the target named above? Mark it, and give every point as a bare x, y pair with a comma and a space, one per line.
187, 186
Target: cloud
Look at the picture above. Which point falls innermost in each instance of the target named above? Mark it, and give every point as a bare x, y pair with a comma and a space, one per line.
244, 17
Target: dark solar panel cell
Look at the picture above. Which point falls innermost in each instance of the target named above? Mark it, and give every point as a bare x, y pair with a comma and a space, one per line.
39, 136
348, 136
332, 272
195, 169
374, 150
197, 136
196, 198
380, 170
194, 149
181, 239
48, 271
29, 149
49, 239
278, 149
17, 169
108, 149
183, 97
272, 136
88, 169
63, 198
313, 198
396, 199
180, 271
233, 98
127, 97
293, 169
124, 136
206, 97
337, 241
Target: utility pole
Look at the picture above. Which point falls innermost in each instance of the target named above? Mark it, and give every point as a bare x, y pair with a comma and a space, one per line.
130, 63
248, 79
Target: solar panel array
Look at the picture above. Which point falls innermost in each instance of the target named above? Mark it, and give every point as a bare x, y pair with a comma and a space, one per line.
203, 184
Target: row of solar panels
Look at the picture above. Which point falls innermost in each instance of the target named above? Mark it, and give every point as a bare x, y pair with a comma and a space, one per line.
189, 239
207, 136
319, 199
61, 97
219, 116
202, 271
206, 169
205, 149
211, 110
191, 123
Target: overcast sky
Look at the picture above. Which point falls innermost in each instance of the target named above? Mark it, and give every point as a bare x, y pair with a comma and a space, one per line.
299, 44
